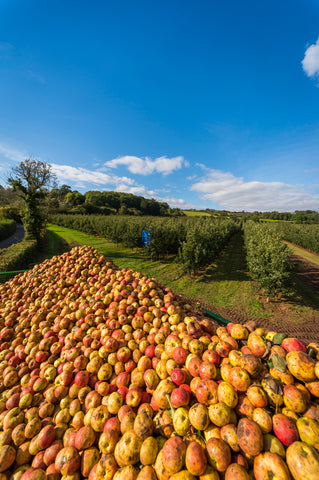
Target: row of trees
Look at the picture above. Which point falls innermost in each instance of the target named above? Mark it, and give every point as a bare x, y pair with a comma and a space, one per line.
299, 216
195, 241
306, 236
204, 240
268, 258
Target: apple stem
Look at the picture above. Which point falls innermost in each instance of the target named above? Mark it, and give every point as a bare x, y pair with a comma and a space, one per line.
171, 406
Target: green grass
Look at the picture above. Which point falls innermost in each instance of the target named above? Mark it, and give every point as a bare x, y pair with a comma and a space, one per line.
196, 213
274, 220
269, 220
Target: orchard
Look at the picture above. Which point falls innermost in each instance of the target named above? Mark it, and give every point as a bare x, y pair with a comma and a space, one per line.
105, 374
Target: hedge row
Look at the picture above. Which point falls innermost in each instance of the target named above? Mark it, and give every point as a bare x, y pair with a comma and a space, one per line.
18, 256
7, 228
268, 258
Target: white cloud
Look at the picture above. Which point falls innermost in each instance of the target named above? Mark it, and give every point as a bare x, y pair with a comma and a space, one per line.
144, 192
147, 166
136, 190
232, 193
177, 203
82, 176
87, 179
310, 62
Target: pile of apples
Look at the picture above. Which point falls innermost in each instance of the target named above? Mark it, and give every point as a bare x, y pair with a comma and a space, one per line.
106, 374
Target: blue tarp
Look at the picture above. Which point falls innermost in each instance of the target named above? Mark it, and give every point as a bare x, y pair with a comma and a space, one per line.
145, 238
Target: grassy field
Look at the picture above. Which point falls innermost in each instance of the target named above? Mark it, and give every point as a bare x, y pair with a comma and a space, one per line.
196, 213
302, 252
224, 284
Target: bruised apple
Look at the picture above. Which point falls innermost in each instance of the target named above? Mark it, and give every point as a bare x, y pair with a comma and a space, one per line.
219, 454
195, 458
149, 450
303, 461
250, 437
174, 454
127, 449
269, 465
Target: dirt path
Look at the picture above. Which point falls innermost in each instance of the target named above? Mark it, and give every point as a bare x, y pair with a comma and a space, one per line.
17, 237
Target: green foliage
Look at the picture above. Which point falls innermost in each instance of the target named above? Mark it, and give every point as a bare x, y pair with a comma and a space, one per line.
74, 198
306, 236
166, 236
197, 240
11, 213
204, 240
7, 228
8, 196
268, 258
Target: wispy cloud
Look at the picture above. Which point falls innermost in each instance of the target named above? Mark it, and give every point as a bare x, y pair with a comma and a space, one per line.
9, 157
233, 193
35, 76
6, 47
147, 166
12, 153
310, 62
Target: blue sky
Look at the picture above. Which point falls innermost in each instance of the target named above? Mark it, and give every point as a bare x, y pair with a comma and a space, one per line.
204, 104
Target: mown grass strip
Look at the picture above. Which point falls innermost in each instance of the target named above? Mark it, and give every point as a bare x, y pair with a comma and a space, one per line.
303, 253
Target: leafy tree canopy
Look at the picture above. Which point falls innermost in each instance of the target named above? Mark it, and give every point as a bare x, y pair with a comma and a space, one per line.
32, 177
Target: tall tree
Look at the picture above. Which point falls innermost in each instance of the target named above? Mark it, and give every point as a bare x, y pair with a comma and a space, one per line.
32, 179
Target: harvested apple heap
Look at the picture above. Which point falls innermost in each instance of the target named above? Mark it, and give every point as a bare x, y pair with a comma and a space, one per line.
105, 374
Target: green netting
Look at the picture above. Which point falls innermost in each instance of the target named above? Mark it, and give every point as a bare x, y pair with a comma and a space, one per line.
219, 318
5, 276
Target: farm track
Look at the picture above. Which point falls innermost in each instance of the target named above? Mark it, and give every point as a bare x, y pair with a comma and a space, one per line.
307, 270
17, 237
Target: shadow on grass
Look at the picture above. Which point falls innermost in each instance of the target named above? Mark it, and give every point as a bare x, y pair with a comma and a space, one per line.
230, 264
53, 245
304, 293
